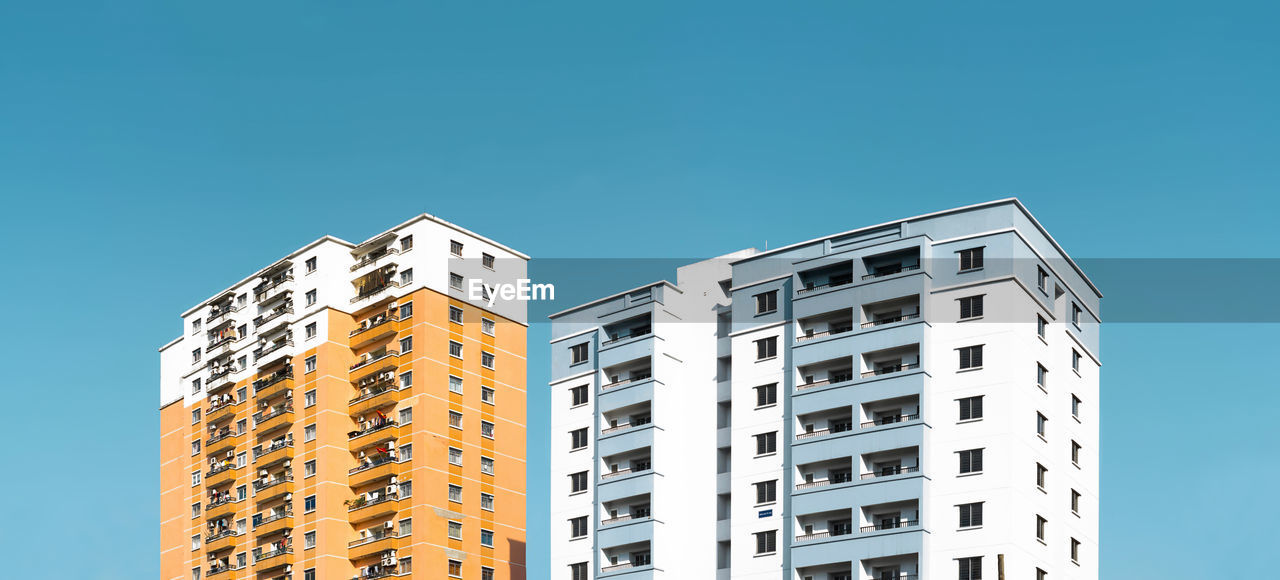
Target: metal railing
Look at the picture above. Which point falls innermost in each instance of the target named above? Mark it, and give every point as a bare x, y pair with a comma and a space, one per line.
890, 420
376, 390
262, 290
632, 334
889, 472
274, 314
889, 526
385, 319
220, 313
221, 569
227, 340
373, 257
220, 503
266, 350
259, 452
632, 379
262, 416
890, 369
259, 485
365, 363
384, 498
261, 384
377, 290
890, 272
833, 331
259, 555
229, 433
840, 427
375, 462
275, 518
212, 471
890, 320
817, 287
371, 538
218, 536
387, 425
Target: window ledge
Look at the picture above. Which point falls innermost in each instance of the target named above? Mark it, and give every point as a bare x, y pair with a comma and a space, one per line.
969, 270
1043, 388
1042, 339
766, 358
969, 319
973, 420
765, 406
968, 528
970, 369
970, 474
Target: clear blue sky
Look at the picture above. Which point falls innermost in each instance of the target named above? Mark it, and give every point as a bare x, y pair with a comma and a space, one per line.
154, 152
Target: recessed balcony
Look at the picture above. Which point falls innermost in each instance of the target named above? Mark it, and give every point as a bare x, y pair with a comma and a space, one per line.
373, 543
891, 263
371, 469
221, 475
830, 372
277, 417
830, 324
277, 522
890, 463
375, 283
819, 526
379, 327
890, 360
825, 278
626, 510
620, 559
627, 329
382, 502
625, 418
222, 508
275, 555
271, 290
822, 424
222, 440
625, 464
269, 487
824, 473
890, 411
890, 516
379, 394
274, 384
275, 452
381, 360
890, 311
625, 374
221, 540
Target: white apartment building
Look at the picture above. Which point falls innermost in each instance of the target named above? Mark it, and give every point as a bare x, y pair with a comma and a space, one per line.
911, 400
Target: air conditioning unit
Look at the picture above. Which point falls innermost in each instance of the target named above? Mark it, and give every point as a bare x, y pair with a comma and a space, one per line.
286, 464
394, 479
388, 525
263, 473
361, 455
392, 490
231, 454
288, 496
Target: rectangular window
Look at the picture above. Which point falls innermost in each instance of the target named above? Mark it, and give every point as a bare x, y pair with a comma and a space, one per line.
309, 433
309, 540
242, 493
455, 315
195, 542
406, 276
486, 429
310, 364
971, 307
767, 395
578, 353
1042, 326
1042, 376
486, 465
309, 468
1075, 502
455, 568
578, 527
195, 326
971, 357
486, 573
578, 438
242, 459
1075, 314
406, 344
195, 478
455, 456
486, 395
486, 501
310, 330
1042, 280
1041, 525
311, 265
486, 359
579, 395
1075, 360
406, 415
1075, 550
406, 527
406, 379
455, 349
195, 386
486, 326
1075, 453
455, 281
195, 447
406, 452
311, 297
406, 310
455, 419
1042, 424
1075, 406
309, 504
766, 542
486, 538
970, 568
455, 384
767, 302
195, 356
971, 461
195, 510
767, 491
578, 482
578, 571
1042, 475
455, 248
766, 348
971, 408
486, 260
310, 574
195, 415
970, 515
309, 398
406, 243
455, 493
767, 443
970, 259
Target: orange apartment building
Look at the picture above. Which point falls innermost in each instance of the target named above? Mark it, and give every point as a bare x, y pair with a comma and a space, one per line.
349, 412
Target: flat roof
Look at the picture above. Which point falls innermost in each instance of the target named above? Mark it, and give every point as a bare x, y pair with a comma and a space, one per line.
615, 295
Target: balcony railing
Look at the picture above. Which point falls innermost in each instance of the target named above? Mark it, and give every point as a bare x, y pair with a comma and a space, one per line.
373, 257
372, 428
261, 416
213, 537
212, 471
221, 502
835, 378
890, 272
616, 520
261, 292
260, 555
263, 383
375, 462
214, 315
840, 427
890, 369
220, 342
833, 331
271, 449
259, 353
385, 319
632, 379
214, 571
889, 526
376, 290
273, 518
890, 420
365, 363
374, 391
889, 472
389, 572
371, 538
360, 502
836, 478
219, 436
259, 485
261, 321
632, 334
890, 320
832, 284
221, 372
820, 535
616, 567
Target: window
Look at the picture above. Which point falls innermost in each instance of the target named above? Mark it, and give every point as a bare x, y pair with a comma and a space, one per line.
406, 379
1075, 453
406, 310
767, 348
486, 538
971, 461
195, 542
311, 265
971, 307
1075, 550
195, 478
578, 571
486, 465
455, 349
971, 408
455, 419
1042, 423
242, 493
1075, 406
195, 386
1042, 280
406, 415
486, 395
1042, 326
406, 344
486, 326
970, 259
486, 429
311, 574
486, 573
311, 297
242, 459
971, 357
455, 281
195, 510
486, 501
309, 398
311, 364
1075, 502
309, 540
970, 515
242, 363
242, 393
309, 432
406, 452
1041, 524
578, 527
406, 243
767, 492
406, 527
1041, 574
242, 426
1075, 314
486, 359
311, 330
455, 384
195, 415
578, 482
309, 504
579, 395
455, 568
766, 542
406, 489
767, 395
455, 456
455, 248
455, 493
578, 353
1042, 376
1042, 475
767, 302
1075, 360
195, 447
195, 326
406, 276
309, 468
578, 438
486, 260
767, 443
970, 568
455, 315
195, 356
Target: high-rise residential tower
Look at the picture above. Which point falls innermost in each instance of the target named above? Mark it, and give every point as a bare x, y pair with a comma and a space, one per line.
911, 400
349, 412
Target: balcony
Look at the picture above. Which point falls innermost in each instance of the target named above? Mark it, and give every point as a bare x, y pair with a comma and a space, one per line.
627, 510
272, 419
265, 351
815, 329
823, 424
363, 509
373, 257
889, 420
892, 311
269, 291
260, 322
825, 278
274, 523
832, 524
221, 441
889, 524
373, 469
883, 320
375, 283
220, 475
629, 557
835, 371
376, 396
221, 540
884, 369
889, 471
217, 312
381, 360
221, 346
219, 411
379, 327
224, 571
271, 487
626, 464
621, 419
890, 516
224, 508
372, 432
220, 379
618, 377
890, 360
627, 329
276, 555
372, 544
273, 453
824, 473
277, 383
891, 263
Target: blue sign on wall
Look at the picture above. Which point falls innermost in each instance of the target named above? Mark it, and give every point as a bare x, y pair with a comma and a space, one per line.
766, 513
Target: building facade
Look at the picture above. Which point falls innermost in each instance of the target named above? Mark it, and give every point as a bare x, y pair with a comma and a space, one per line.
349, 412
912, 400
